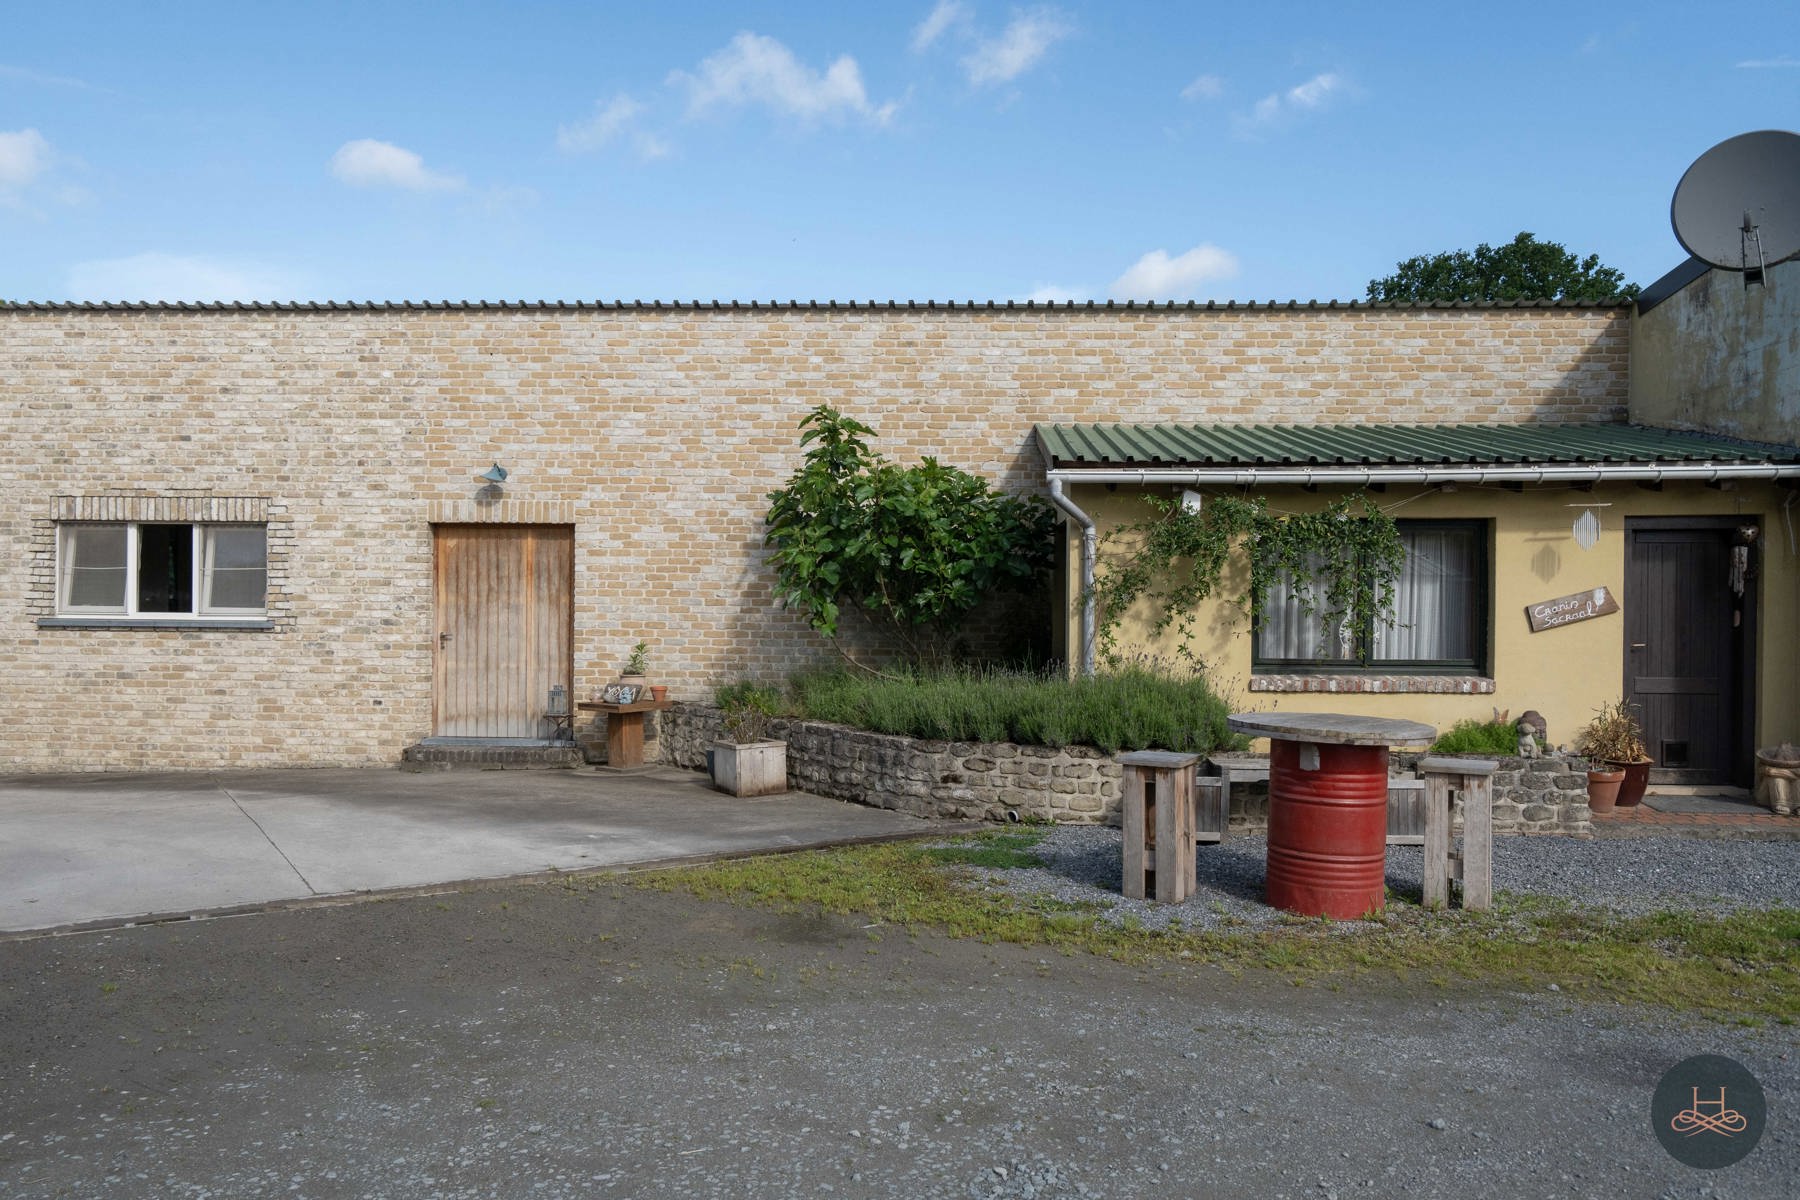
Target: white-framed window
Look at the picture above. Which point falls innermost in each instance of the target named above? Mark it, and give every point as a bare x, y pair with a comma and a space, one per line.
158, 570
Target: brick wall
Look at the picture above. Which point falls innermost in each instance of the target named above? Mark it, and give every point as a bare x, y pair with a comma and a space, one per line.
656, 433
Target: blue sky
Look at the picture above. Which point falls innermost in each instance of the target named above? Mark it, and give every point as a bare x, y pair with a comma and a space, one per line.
931, 150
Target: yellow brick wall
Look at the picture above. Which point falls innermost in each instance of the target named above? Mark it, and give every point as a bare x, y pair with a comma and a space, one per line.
656, 433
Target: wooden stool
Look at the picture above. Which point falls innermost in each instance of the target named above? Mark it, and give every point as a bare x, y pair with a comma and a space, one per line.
1473, 865
1158, 824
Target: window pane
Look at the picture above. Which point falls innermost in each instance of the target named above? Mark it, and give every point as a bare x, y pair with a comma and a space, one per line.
237, 545
94, 566
1434, 600
1287, 629
236, 571
165, 568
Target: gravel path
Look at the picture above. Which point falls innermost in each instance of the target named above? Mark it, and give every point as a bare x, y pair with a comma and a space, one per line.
1636, 875
573, 1041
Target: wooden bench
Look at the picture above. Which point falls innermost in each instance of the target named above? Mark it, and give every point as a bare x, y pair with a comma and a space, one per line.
1229, 767
1473, 865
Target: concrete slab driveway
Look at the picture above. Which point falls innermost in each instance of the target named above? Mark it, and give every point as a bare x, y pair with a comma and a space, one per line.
78, 849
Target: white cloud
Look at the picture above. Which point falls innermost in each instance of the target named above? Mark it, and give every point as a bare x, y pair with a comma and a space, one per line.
1018, 48
934, 26
1779, 62
1311, 96
369, 163
155, 276
753, 69
1156, 276
613, 121
1205, 87
24, 156
1052, 293
610, 119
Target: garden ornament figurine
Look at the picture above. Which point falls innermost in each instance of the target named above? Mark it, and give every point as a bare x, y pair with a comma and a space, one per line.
1532, 727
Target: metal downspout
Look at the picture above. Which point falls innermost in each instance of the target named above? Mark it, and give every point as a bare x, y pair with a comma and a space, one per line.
1090, 544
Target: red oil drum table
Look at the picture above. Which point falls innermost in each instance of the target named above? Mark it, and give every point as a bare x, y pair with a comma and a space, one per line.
1328, 787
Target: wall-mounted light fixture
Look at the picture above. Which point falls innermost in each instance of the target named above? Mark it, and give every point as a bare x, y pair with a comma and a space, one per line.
494, 475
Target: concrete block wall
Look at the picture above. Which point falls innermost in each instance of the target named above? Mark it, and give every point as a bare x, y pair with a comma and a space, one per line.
655, 432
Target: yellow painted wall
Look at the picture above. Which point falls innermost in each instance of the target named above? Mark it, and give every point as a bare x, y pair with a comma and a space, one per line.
1564, 673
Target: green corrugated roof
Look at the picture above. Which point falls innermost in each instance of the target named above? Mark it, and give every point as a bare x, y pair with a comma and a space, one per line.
1228, 445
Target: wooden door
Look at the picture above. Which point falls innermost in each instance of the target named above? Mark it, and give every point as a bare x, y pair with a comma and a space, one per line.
503, 627
1685, 638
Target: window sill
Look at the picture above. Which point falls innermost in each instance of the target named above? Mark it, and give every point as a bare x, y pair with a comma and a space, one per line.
1441, 685
250, 623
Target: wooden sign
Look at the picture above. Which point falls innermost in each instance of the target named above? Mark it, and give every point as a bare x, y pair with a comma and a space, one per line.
1566, 610
620, 693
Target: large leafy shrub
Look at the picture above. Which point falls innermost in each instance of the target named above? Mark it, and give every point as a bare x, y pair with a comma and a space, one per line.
913, 548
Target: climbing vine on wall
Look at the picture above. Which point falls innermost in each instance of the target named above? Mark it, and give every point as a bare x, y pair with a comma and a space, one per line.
1343, 560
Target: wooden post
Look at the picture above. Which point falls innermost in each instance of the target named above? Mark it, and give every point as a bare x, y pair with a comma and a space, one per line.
1158, 824
1437, 840
1132, 785
1478, 842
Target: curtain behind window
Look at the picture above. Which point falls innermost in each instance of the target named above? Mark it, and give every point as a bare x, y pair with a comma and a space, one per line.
1434, 599
1287, 629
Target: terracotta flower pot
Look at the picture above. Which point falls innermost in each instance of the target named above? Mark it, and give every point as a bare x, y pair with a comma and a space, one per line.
658, 692
1603, 789
1637, 778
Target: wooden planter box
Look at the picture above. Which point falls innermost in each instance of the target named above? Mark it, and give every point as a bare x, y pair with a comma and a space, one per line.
752, 769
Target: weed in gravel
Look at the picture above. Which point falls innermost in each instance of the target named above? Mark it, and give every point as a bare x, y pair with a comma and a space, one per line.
1745, 963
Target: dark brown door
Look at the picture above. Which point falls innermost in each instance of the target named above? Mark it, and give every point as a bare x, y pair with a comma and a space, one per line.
503, 621
1685, 632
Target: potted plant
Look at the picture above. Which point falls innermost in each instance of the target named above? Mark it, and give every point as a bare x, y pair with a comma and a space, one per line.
749, 764
637, 665
1614, 738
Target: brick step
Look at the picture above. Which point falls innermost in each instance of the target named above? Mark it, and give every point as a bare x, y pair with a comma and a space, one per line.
422, 757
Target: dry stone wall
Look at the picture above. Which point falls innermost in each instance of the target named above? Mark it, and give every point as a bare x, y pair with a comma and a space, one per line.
981, 781
655, 433
1077, 785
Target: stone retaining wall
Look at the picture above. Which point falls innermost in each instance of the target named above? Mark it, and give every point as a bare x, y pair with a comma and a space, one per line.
982, 781
1076, 785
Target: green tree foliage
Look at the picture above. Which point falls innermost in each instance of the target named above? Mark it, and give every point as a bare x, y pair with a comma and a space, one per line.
1522, 269
914, 548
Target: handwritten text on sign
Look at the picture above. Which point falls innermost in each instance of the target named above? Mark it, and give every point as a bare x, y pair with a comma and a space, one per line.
1566, 610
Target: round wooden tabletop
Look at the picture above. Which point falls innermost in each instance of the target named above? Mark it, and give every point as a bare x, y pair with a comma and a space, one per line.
1338, 729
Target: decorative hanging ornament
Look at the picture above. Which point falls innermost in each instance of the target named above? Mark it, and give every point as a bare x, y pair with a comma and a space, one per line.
1587, 529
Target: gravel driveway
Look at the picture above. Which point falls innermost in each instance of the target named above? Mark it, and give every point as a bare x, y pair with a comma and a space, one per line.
586, 1040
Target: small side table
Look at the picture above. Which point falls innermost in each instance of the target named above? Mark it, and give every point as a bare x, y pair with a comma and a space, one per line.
624, 729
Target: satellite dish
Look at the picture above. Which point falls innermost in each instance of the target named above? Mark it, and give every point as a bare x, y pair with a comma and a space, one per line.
1738, 206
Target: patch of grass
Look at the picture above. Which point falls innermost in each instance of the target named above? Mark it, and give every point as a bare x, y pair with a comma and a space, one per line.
1479, 737
1727, 967
999, 850
1134, 708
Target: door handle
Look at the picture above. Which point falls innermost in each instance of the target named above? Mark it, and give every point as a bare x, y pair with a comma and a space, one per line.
443, 640
1634, 645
